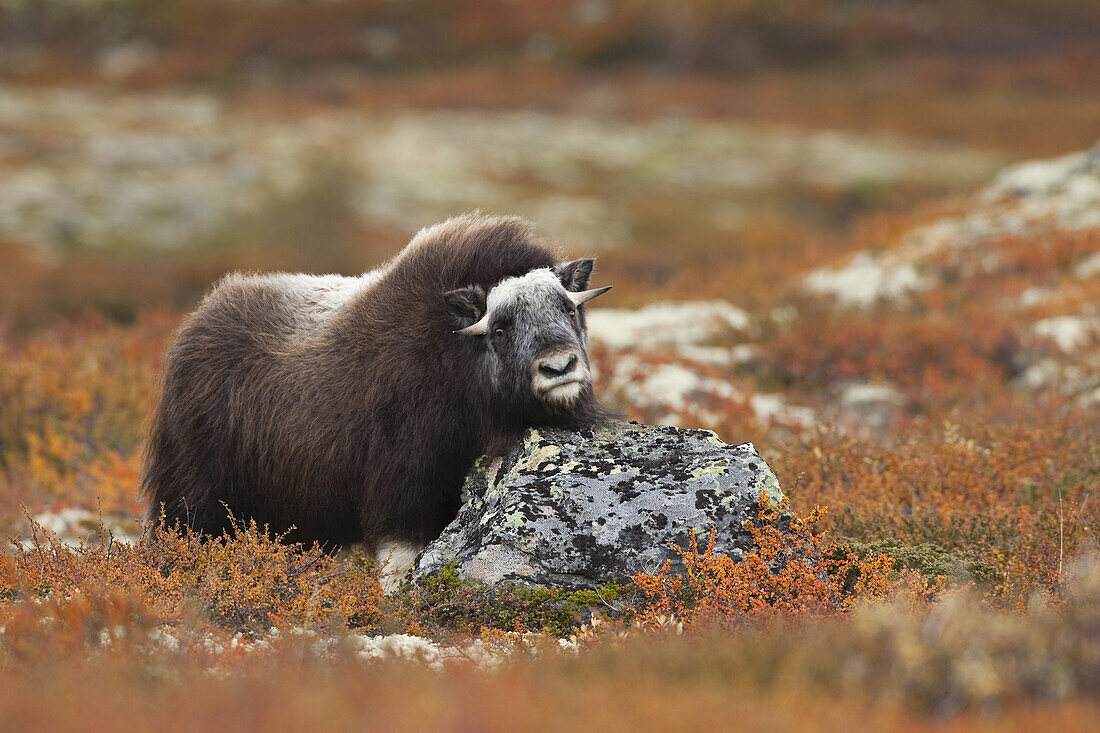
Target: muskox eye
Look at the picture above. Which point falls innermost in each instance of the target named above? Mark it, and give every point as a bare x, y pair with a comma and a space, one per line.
572, 312
498, 331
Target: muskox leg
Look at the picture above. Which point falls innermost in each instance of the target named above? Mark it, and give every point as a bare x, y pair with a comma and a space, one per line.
395, 560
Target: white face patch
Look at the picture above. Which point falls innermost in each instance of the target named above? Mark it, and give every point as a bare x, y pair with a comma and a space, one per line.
541, 339
536, 285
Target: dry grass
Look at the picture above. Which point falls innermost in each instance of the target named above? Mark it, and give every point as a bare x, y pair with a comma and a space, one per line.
955, 665
1015, 494
245, 582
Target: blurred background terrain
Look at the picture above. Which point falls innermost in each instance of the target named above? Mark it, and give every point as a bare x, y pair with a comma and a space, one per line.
864, 235
713, 148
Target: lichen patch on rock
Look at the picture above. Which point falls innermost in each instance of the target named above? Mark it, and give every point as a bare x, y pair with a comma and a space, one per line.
618, 496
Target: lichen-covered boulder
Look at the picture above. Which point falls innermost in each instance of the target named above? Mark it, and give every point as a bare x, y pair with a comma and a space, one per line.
581, 508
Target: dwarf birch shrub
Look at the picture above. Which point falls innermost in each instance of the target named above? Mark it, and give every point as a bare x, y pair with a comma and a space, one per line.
244, 581
792, 568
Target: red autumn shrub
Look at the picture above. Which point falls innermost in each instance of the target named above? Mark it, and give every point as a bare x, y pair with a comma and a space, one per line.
791, 568
246, 581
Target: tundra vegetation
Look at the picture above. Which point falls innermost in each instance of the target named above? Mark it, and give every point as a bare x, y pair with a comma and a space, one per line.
915, 354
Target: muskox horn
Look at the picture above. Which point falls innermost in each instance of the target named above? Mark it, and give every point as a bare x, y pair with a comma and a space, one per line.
477, 329
585, 295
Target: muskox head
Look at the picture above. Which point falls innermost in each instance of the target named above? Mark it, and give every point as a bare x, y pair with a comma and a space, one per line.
529, 333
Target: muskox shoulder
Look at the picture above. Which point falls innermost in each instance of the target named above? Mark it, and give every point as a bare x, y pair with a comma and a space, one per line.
278, 311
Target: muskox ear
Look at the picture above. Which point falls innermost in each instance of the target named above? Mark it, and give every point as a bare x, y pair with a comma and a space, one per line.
574, 275
466, 305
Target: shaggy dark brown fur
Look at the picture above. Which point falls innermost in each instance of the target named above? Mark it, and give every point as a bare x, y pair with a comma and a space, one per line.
351, 413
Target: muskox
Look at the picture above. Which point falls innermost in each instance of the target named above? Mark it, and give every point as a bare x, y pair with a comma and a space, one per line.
348, 409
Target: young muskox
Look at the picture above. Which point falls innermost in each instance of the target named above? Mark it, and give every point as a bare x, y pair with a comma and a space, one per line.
351, 408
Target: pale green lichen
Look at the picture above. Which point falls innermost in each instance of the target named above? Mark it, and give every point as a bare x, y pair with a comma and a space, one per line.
712, 470
537, 455
531, 440
495, 492
612, 430
732, 499
768, 484
713, 439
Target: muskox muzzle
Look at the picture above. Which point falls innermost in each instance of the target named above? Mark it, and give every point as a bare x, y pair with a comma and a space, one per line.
560, 375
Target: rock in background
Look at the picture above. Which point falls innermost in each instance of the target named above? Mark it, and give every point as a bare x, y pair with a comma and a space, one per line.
581, 508
675, 364
1029, 243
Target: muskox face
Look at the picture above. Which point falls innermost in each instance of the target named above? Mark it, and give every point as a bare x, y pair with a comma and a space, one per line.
531, 333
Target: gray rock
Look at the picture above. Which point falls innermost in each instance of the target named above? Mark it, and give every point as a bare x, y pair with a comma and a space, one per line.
581, 508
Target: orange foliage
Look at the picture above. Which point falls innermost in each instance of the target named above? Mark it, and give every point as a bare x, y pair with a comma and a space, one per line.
73, 406
247, 581
1012, 492
790, 569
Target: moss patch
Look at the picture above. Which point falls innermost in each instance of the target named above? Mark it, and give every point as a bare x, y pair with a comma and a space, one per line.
933, 561
446, 602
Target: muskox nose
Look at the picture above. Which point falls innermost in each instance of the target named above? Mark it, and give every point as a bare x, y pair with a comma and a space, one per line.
558, 365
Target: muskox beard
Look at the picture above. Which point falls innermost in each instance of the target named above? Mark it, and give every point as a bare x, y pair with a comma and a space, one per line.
509, 426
